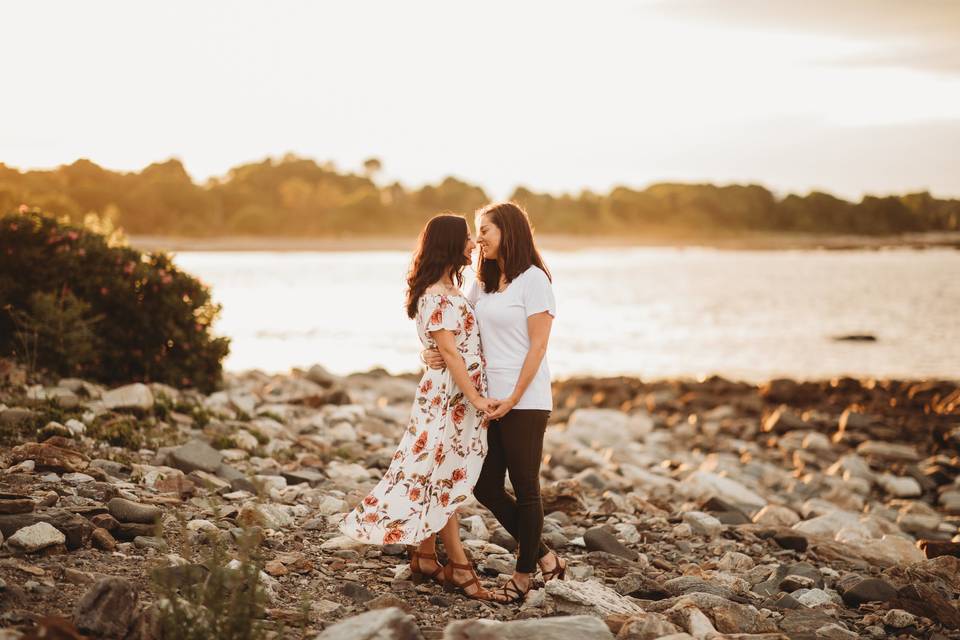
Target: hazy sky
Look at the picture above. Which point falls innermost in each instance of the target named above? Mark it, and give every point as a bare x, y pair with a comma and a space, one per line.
847, 96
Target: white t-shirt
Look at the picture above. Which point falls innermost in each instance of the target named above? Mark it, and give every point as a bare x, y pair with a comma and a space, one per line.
502, 318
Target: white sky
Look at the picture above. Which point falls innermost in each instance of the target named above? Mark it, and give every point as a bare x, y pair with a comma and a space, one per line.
847, 96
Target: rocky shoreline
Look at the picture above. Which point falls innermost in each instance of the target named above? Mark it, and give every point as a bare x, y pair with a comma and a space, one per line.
703, 509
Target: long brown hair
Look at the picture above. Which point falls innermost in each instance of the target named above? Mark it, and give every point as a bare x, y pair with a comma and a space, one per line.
439, 252
517, 249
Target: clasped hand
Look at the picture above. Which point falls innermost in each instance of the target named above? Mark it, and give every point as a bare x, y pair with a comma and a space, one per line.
493, 408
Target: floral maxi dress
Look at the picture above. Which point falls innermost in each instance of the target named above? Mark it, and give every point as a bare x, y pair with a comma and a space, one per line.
439, 457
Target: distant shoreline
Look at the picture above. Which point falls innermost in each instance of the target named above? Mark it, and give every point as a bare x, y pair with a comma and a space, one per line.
557, 242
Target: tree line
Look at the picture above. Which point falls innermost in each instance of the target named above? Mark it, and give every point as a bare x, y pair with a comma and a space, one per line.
297, 196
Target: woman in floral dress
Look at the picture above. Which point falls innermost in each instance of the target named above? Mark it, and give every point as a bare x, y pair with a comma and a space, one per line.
440, 455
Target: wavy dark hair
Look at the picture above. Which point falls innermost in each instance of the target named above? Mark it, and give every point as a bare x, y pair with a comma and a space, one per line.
439, 252
517, 249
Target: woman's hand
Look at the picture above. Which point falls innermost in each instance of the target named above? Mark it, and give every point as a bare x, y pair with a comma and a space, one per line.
432, 358
486, 405
503, 408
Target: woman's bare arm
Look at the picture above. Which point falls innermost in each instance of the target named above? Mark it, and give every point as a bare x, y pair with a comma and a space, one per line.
447, 345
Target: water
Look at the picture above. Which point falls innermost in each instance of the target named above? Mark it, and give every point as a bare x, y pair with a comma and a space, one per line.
651, 312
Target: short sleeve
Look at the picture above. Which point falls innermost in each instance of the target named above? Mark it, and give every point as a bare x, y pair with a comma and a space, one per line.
440, 313
473, 292
538, 293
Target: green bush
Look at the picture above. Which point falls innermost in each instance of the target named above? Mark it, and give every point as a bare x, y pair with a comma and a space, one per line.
131, 316
214, 602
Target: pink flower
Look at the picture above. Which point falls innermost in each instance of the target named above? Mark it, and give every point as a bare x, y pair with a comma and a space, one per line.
104, 291
370, 501
24, 208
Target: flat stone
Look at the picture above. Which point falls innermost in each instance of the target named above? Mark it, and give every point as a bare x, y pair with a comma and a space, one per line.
128, 511
131, 396
501, 537
647, 626
899, 619
49, 457
899, 486
271, 516
775, 515
195, 454
555, 628
15, 503
35, 538
304, 476
888, 451
600, 539
130, 531
834, 631
151, 542
391, 623
77, 529
608, 427
701, 483
868, 590
703, 523
588, 598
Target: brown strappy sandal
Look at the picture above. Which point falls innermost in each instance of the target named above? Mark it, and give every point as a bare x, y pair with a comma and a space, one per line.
559, 569
512, 591
418, 575
482, 593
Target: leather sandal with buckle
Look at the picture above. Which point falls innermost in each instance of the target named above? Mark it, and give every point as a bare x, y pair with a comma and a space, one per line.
417, 574
481, 593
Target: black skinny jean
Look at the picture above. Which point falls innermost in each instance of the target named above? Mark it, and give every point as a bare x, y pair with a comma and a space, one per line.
515, 445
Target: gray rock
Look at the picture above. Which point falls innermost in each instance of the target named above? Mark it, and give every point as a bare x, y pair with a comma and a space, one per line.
647, 626
302, 476
36, 537
588, 598
107, 609
131, 396
238, 481
129, 511
195, 454
502, 538
600, 539
868, 590
379, 624
356, 592
151, 542
686, 584
557, 628
703, 523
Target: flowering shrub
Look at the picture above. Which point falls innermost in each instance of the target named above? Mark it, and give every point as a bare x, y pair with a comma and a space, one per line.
148, 321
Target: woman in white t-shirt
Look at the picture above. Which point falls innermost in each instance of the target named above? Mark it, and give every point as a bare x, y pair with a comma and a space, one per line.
514, 305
